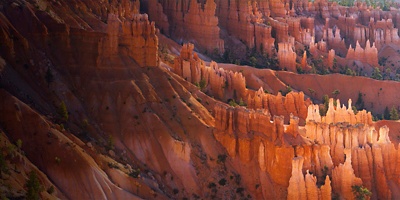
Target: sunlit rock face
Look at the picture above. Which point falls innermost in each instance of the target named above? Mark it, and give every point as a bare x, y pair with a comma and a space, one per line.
105, 101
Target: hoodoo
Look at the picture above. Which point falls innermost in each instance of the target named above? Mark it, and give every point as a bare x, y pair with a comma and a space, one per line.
199, 99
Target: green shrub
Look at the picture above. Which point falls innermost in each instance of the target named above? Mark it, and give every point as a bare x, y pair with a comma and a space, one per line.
33, 187
360, 192
63, 111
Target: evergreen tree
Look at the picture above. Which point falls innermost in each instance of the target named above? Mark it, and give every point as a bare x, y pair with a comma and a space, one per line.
376, 74
360, 101
312, 92
253, 61
63, 112
33, 187
386, 113
242, 103
360, 192
336, 93
202, 84
325, 101
49, 77
394, 115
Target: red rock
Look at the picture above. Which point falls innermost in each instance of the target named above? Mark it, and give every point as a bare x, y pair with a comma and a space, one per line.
287, 57
343, 178
301, 187
190, 21
281, 30
157, 15
297, 186
368, 55
277, 8
331, 59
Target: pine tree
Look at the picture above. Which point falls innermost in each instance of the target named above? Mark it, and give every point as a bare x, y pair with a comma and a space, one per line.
242, 103
336, 93
49, 77
63, 112
376, 74
386, 113
33, 187
394, 115
360, 101
324, 109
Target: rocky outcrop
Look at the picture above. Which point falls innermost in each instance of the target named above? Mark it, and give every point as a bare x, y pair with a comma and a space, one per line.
287, 57
264, 42
343, 178
334, 153
316, 49
346, 26
277, 8
368, 55
137, 39
331, 59
303, 63
215, 81
227, 85
305, 187
244, 20
383, 32
297, 185
281, 30
157, 15
335, 41
201, 26
293, 103
189, 21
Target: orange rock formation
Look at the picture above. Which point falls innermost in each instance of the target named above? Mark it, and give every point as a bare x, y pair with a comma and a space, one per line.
148, 132
189, 21
226, 85
368, 55
287, 57
217, 82
340, 145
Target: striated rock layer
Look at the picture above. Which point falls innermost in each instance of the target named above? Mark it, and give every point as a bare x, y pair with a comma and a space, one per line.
331, 154
228, 85
189, 21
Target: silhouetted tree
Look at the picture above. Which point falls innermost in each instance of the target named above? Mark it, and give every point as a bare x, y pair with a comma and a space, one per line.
49, 77
386, 113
